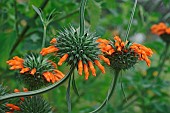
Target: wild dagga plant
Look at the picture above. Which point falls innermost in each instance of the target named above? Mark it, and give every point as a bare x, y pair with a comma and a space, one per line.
81, 50
122, 55
78, 47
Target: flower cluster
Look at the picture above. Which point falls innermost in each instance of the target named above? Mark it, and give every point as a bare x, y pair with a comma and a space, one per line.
36, 70
81, 51
161, 30
123, 55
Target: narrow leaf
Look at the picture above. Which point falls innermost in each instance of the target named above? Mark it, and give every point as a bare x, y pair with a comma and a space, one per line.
74, 86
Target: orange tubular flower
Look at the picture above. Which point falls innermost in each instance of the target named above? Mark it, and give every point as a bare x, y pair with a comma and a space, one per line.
23, 70
33, 71
16, 63
125, 54
80, 67
53, 41
48, 50
161, 30
14, 107
92, 68
86, 71
100, 66
53, 77
64, 58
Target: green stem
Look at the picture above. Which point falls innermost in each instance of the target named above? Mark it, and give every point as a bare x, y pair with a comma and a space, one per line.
16, 19
44, 36
110, 92
82, 9
68, 95
160, 66
39, 91
131, 20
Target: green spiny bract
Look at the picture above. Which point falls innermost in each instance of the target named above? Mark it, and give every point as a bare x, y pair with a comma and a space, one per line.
78, 47
124, 59
35, 104
41, 64
3, 107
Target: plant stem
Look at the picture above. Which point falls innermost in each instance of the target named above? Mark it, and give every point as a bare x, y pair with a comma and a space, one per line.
24, 31
82, 8
110, 92
68, 95
131, 20
39, 91
16, 19
160, 66
44, 35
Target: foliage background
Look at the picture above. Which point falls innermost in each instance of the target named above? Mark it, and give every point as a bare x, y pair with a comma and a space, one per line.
21, 31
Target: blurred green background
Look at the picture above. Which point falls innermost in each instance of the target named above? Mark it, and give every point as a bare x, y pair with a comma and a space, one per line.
21, 31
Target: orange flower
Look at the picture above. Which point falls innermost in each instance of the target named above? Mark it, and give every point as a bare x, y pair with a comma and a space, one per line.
104, 59
160, 29
14, 107
86, 71
99, 66
33, 71
53, 41
53, 77
92, 68
80, 67
16, 63
62, 59
48, 50
23, 70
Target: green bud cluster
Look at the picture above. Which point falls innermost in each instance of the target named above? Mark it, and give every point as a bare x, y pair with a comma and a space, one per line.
78, 47
35, 104
3, 91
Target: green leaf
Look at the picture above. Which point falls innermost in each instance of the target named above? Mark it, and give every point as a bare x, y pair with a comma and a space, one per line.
74, 86
94, 11
6, 41
38, 12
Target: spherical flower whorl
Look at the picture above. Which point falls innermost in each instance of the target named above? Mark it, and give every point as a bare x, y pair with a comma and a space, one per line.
161, 30
3, 91
124, 55
36, 70
35, 104
74, 49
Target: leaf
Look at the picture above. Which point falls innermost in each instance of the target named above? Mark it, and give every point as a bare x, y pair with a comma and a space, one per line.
38, 12
68, 96
94, 11
6, 42
74, 86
